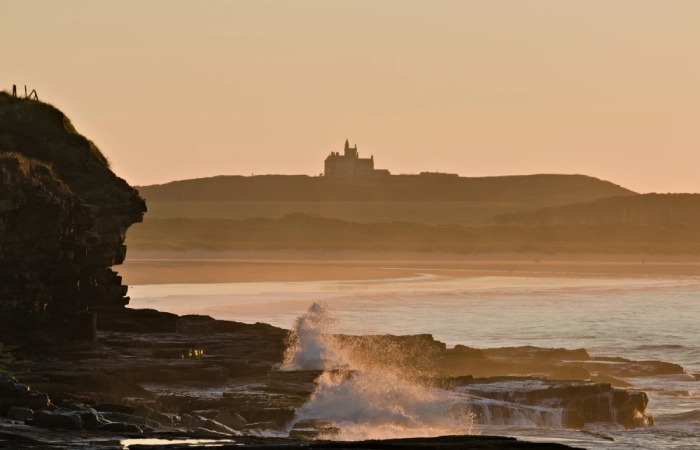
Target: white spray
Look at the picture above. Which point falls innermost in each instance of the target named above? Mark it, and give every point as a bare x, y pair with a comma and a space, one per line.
309, 347
366, 401
374, 396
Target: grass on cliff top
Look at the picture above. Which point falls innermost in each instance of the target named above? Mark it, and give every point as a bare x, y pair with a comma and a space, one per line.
21, 163
37, 119
15, 165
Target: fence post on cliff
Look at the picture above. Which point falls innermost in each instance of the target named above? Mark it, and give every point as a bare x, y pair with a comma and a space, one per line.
14, 90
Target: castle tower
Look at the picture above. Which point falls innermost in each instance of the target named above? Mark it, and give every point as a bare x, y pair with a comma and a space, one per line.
350, 152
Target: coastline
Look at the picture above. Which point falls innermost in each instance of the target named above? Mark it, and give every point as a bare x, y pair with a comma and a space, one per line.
149, 354
165, 267
290, 266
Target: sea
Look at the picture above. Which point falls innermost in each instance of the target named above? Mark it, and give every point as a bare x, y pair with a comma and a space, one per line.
635, 317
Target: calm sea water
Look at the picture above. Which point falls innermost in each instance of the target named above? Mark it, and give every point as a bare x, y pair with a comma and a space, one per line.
634, 317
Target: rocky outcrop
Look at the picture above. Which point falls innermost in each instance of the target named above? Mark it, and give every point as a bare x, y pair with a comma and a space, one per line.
221, 379
15, 397
576, 403
63, 219
210, 369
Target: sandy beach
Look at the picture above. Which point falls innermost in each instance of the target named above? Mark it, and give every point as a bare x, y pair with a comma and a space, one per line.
232, 267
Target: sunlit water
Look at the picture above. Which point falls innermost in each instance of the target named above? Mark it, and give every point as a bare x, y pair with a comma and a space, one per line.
638, 318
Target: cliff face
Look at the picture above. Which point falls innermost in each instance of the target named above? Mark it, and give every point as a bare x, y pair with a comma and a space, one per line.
63, 219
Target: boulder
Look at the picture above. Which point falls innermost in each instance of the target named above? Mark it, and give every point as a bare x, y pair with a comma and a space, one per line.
313, 429
153, 415
465, 352
120, 427
234, 421
534, 399
20, 395
198, 422
90, 418
57, 419
19, 413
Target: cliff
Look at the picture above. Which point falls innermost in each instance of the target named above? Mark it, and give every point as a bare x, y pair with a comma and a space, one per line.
63, 219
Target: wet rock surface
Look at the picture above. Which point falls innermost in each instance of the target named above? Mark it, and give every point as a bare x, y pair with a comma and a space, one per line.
219, 379
582, 402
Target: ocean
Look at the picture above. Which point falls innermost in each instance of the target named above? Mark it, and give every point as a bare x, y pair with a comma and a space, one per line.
635, 317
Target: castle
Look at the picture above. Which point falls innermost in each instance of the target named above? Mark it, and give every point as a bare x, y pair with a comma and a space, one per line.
349, 164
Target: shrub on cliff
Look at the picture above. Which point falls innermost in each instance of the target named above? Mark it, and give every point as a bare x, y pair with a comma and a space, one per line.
17, 171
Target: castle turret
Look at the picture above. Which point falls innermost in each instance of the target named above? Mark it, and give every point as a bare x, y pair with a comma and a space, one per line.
350, 152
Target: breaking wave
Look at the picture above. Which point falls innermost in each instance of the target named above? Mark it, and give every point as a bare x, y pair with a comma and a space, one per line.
309, 347
377, 394
367, 401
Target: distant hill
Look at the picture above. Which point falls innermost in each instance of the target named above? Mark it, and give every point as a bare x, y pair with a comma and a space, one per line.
546, 189
304, 232
628, 224
647, 209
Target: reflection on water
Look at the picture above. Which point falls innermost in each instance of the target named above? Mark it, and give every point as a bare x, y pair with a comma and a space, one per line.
126, 443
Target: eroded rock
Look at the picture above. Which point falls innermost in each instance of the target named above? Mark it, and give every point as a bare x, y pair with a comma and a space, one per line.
13, 394
580, 402
58, 419
120, 427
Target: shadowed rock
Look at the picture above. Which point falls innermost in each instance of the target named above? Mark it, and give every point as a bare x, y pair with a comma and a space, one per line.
63, 219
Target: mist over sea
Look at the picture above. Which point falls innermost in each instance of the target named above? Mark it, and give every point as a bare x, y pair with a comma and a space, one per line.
640, 318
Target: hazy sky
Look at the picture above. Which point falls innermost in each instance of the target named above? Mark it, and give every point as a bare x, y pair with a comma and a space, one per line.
173, 89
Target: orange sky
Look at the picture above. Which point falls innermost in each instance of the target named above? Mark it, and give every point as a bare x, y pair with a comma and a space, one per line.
171, 89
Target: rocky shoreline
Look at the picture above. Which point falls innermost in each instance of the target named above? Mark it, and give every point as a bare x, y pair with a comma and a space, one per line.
157, 375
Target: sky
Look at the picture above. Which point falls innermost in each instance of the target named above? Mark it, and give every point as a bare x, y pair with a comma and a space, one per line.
177, 89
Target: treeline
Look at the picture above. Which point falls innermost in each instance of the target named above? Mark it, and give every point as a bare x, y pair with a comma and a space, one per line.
647, 209
304, 232
548, 189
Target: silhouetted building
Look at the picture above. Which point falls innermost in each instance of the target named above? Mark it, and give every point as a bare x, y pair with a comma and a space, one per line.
349, 164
